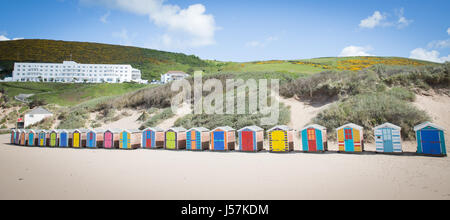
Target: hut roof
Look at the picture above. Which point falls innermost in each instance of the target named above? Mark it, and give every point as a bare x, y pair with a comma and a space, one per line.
177, 129
225, 128
62, 131
316, 126
200, 129
281, 127
426, 124
40, 131
154, 129
253, 128
350, 125
387, 125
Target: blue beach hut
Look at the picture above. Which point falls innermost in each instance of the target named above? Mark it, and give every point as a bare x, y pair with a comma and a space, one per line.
430, 139
388, 138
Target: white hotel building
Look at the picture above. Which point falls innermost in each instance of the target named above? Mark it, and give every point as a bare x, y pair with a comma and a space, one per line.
70, 71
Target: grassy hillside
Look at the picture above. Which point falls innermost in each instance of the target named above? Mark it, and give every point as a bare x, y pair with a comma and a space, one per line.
317, 65
151, 62
67, 94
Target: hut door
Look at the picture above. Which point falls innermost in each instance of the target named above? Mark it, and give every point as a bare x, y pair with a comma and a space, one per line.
12, 138
312, 140
349, 144
247, 141
76, 140
91, 139
431, 142
125, 140
148, 139
30, 139
53, 139
279, 141
108, 140
219, 140
387, 140
42, 139
63, 139
22, 139
171, 140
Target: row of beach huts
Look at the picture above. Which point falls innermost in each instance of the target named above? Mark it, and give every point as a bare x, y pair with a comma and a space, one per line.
430, 138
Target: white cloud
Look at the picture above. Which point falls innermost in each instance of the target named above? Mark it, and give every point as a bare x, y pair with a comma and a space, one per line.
190, 26
104, 18
353, 51
372, 21
4, 38
439, 44
402, 20
448, 31
264, 43
380, 19
423, 54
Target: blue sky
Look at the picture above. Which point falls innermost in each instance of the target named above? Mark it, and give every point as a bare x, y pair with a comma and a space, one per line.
235, 30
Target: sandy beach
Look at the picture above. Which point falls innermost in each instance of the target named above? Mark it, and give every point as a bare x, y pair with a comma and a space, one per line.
44, 173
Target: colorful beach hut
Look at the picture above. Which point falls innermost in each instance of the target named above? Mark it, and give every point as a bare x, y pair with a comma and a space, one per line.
350, 138
13, 136
153, 138
17, 137
42, 138
130, 139
175, 138
198, 139
23, 137
314, 138
388, 138
223, 139
430, 139
111, 138
281, 139
63, 136
76, 137
53, 138
94, 138
251, 139
32, 138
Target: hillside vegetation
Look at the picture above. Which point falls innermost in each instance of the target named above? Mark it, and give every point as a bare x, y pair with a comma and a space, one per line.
371, 96
152, 63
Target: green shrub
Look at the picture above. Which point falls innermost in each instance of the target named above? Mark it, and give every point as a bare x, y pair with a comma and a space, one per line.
74, 120
235, 120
